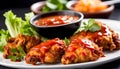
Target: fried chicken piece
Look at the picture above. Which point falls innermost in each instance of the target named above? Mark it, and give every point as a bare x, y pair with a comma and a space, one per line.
81, 50
105, 38
116, 39
49, 51
26, 42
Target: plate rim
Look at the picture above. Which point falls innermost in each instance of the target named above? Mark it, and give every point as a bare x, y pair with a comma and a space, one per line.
69, 65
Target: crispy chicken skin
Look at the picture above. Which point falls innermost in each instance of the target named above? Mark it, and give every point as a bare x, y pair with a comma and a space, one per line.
105, 38
26, 42
84, 46
49, 51
116, 39
81, 50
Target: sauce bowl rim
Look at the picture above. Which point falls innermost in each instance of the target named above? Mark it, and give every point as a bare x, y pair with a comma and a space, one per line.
34, 18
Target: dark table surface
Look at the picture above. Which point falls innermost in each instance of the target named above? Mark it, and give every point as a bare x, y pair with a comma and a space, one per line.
20, 12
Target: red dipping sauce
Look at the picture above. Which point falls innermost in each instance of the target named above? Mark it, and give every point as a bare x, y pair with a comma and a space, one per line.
55, 20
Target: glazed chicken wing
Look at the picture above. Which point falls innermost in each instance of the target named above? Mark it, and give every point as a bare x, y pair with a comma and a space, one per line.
81, 50
26, 42
49, 51
116, 39
105, 38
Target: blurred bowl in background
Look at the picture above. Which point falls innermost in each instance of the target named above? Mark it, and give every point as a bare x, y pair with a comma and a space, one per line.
101, 14
54, 26
36, 8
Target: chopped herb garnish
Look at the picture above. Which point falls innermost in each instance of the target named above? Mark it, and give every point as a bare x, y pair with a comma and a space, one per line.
14, 51
67, 41
18, 54
43, 39
13, 58
22, 52
91, 26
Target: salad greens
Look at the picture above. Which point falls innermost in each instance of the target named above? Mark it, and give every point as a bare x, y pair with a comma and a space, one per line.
91, 26
52, 5
13, 23
26, 27
4, 35
16, 25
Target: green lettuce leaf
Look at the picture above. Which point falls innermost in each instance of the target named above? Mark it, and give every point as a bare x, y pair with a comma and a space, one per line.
12, 23
4, 35
16, 25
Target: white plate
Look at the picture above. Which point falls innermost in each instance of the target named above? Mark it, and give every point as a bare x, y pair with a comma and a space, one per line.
109, 56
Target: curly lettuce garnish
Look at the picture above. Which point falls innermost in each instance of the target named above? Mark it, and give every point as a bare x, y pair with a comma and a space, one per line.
16, 25
13, 23
4, 35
